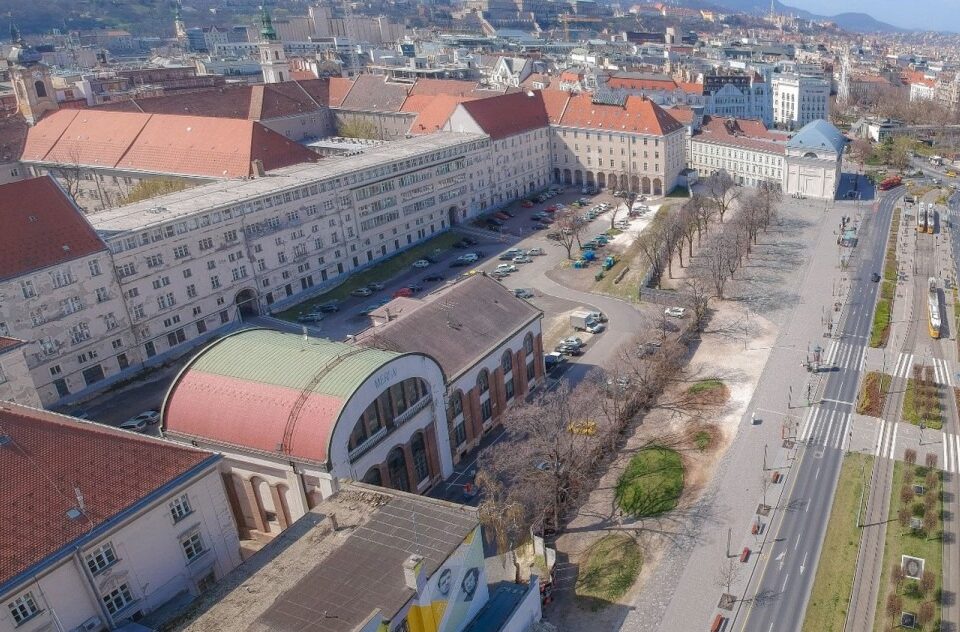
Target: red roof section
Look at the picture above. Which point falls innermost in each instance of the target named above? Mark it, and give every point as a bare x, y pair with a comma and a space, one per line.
159, 143
691, 88
49, 457
435, 113
509, 114
628, 83
7, 343
41, 227
339, 88
638, 115
257, 412
443, 86
555, 102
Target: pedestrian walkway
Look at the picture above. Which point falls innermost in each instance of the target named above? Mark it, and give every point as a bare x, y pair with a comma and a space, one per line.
826, 427
951, 452
886, 445
943, 370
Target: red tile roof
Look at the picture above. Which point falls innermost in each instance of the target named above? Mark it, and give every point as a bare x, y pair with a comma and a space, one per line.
41, 227
339, 88
13, 136
49, 458
7, 343
556, 102
443, 86
630, 83
435, 113
159, 143
747, 133
691, 88
509, 114
681, 114
258, 414
638, 115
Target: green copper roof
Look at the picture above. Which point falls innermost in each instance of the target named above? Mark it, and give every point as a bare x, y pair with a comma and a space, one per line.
267, 31
283, 359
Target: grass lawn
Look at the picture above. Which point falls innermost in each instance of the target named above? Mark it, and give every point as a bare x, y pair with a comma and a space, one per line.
886, 290
382, 271
903, 541
880, 329
711, 391
873, 393
830, 597
704, 386
652, 482
679, 192
917, 408
608, 570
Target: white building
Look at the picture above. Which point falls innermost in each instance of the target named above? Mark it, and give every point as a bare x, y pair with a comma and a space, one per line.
104, 526
798, 100
923, 90
745, 149
814, 157
753, 101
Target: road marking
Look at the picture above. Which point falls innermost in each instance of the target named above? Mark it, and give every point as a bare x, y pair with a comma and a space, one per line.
836, 401
883, 431
817, 474
947, 463
956, 452
893, 443
785, 579
808, 423
797, 543
803, 562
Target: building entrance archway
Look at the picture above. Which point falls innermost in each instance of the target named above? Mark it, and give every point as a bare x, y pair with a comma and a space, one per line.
247, 303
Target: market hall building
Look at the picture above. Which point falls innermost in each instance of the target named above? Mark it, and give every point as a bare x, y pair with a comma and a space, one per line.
292, 415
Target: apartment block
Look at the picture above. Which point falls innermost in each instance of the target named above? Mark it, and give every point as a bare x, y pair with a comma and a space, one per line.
798, 100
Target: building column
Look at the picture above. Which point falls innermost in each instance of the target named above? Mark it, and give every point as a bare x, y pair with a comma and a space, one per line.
497, 394
475, 418
538, 356
411, 473
253, 501
433, 452
519, 374
231, 489
385, 475
280, 506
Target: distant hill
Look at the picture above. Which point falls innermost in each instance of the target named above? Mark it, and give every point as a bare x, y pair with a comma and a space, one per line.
856, 22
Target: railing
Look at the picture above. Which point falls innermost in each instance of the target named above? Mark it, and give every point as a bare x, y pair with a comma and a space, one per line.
398, 421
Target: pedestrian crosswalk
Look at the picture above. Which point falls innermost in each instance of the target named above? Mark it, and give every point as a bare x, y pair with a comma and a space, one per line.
942, 371
886, 445
843, 355
826, 427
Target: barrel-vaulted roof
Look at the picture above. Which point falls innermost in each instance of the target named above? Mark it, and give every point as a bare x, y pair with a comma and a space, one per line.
269, 391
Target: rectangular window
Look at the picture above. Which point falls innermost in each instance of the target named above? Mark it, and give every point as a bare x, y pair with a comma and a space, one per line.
102, 294
23, 608
215, 282
206, 243
100, 558
154, 261
180, 508
118, 598
180, 252
192, 546
26, 287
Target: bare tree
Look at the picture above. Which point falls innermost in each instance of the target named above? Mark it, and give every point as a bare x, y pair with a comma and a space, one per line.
653, 244
696, 296
861, 150
569, 228
714, 265
722, 191
673, 241
71, 172
727, 574
688, 220
926, 613
897, 575
764, 485
894, 605
705, 210
928, 581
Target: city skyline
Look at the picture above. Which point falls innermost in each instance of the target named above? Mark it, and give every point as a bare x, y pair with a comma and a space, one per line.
936, 16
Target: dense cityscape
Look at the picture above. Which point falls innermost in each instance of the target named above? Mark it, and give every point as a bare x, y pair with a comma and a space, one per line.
637, 317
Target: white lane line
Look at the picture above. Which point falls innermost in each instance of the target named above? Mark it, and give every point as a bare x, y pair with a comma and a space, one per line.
956, 452
844, 429
831, 352
883, 431
820, 430
893, 443
784, 587
946, 452
806, 424
947, 372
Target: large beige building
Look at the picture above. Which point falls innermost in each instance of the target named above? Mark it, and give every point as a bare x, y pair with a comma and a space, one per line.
630, 143
58, 292
744, 148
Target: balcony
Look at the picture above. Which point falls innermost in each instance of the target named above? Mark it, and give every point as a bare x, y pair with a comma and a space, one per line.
379, 435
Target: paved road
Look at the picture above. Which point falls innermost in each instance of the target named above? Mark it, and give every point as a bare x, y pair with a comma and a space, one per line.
789, 561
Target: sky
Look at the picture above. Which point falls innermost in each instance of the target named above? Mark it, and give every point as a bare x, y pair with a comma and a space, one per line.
915, 14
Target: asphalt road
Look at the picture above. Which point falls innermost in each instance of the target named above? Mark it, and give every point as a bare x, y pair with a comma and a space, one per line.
790, 560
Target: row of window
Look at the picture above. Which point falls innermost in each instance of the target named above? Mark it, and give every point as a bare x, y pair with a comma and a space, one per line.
26, 606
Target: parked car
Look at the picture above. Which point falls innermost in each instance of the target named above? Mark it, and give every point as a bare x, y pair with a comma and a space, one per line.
362, 292
501, 216
537, 226
421, 263
675, 312
522, 259
508, 213
470, 241
526, 204
566, 349
596, 328
875, 277
328, 308
572, 340
494, 222
135, 424
79, 413
376, 286
535, 252
522, 292
403, 292
415, 287
553, 360
470, 257
432, 278
506, 267
312, 317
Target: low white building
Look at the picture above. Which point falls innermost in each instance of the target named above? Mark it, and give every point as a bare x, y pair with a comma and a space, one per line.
814, 157
745, 149
102, 526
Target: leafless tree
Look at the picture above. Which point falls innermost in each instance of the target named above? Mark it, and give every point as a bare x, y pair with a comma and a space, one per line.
688, 220
894, 605
713, 265
861, 150
696, 296
925, 613
930, 522
764, 485
903, 516
653, 244
928, 581
569, 227
722, 191
728, 573
897, 575
705, 210
910, 456
71, 172
673, 241
931, 460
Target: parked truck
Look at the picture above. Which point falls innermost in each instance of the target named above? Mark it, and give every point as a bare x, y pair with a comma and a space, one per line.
582, 320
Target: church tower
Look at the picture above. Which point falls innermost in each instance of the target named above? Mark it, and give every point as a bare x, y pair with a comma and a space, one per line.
179, 26
273, 61
31, 79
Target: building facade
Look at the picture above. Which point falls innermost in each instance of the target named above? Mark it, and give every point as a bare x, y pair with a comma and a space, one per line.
744, 149
814, 156
98, 555
798, 100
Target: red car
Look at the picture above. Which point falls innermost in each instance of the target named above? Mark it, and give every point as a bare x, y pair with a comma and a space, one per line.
551, 209
501, 215
403, 292
526, 204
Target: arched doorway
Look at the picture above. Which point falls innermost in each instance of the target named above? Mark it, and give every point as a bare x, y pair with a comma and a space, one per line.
602, 180
397, 467
657, 186
566, 176
635, 184
623, 182
246, 302
590, 178
578, 177
556, 175
455, 215
645, 185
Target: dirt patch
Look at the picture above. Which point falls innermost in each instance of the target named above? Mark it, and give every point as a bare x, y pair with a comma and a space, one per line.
709, 392
873, 393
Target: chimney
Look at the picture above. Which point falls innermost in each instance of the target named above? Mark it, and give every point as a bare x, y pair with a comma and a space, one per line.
413, 574
333, 522
256, 166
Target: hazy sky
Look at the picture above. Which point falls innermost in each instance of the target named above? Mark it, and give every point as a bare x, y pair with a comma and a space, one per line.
918, 14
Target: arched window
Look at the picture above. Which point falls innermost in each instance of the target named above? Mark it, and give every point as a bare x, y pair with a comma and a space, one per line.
367, 426
421, 465
397, 466
276, 55
281, 76
456, 404
373, 477
483, 382
528, 344
506, 361
40, 89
